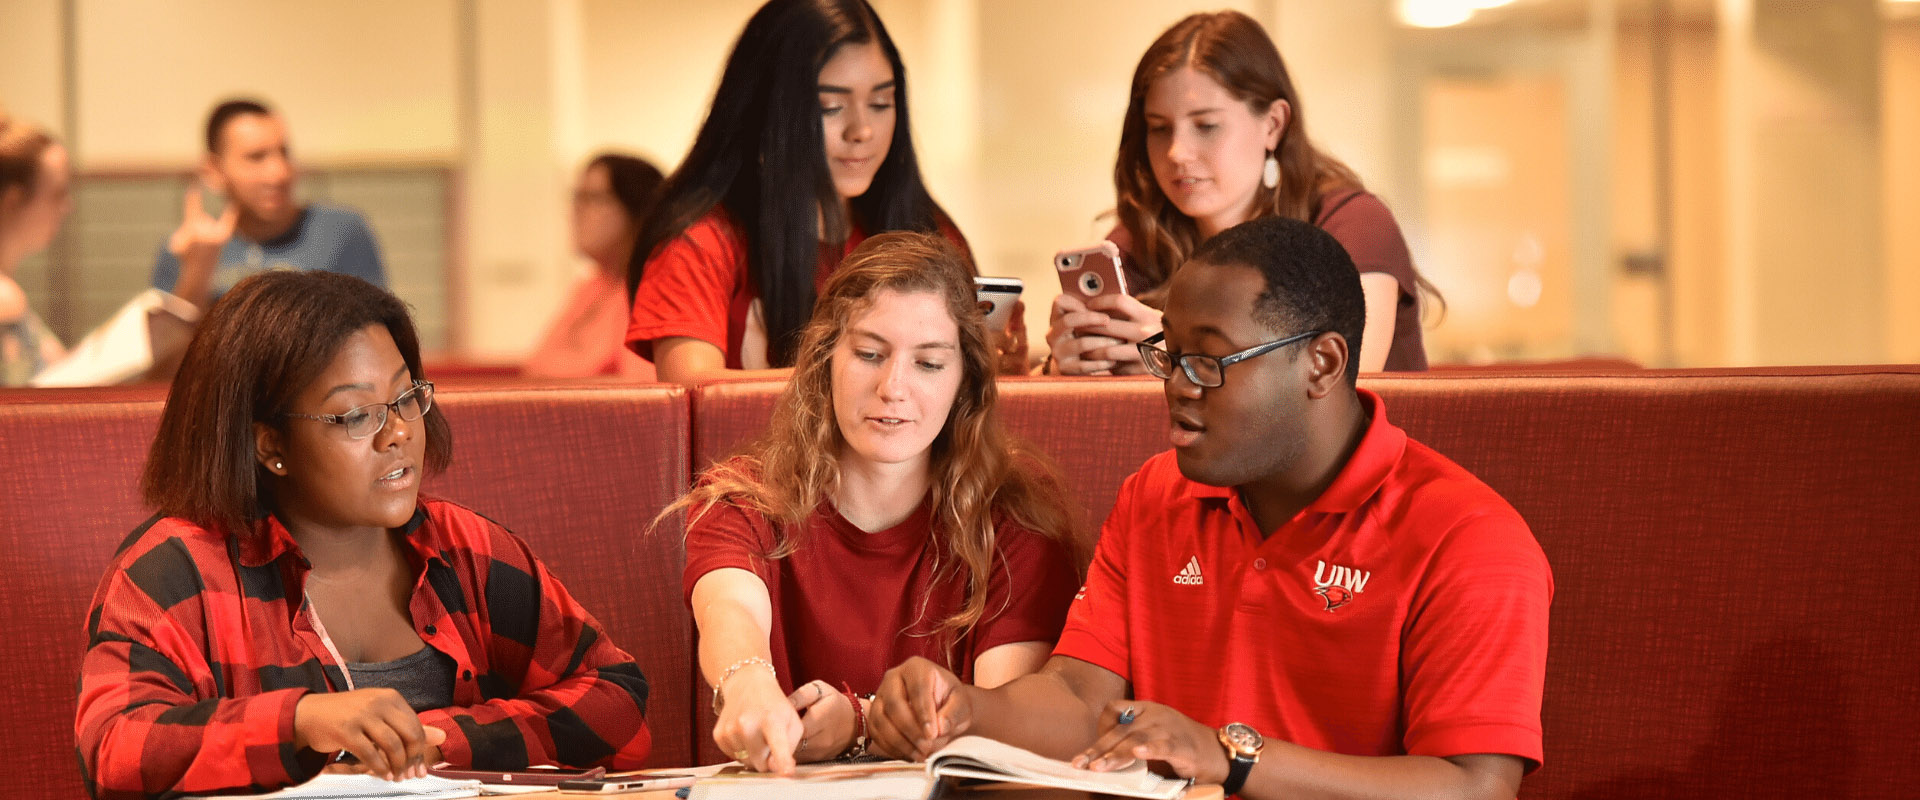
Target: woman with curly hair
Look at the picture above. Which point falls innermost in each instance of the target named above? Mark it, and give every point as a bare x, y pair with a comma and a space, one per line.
884, 514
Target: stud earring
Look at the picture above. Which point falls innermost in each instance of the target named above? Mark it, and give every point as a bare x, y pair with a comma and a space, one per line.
279, 465
1270, 173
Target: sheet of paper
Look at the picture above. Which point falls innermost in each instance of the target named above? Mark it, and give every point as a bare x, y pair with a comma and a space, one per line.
360, 787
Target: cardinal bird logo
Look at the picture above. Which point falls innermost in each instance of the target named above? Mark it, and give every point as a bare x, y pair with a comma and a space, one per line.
1336, 596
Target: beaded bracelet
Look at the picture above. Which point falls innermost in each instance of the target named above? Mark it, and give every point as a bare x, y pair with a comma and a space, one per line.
859, 746
718, 699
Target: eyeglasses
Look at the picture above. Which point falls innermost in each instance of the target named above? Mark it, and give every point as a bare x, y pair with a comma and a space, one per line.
1206, 372
364, 421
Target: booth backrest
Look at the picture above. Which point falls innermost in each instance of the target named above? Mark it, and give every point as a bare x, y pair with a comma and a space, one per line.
1736, 560
72, 494
1736, 553
580, 473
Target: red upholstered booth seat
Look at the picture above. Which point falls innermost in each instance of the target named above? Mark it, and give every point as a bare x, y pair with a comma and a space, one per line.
580, 473
1736, 552
70, 496
1736, 559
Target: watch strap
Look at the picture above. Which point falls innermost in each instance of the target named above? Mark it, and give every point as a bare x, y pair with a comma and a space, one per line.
1238, 767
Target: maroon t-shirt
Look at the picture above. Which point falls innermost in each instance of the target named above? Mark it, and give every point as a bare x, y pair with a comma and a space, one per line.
849, 604
1364, 226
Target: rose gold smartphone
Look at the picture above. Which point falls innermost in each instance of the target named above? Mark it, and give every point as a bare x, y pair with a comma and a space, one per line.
1089, 272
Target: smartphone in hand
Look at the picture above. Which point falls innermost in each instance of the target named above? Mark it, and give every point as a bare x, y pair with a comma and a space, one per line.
1089, 272
997, 296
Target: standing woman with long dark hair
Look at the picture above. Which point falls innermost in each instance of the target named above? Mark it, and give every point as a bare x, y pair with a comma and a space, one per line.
1214, 136
806, 151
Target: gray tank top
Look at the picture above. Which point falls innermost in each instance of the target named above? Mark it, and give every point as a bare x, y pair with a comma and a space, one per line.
424, 678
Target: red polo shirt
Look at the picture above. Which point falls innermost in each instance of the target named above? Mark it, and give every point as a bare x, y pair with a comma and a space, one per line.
1402, 612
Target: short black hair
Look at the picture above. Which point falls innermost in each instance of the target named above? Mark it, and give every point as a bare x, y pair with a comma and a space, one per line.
1312, 284
226, 111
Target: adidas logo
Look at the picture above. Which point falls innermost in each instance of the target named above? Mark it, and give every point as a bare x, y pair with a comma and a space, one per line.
1190, 576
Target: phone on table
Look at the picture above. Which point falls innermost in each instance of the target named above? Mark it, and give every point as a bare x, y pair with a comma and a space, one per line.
997, 296
531, 777
1089, 272
628, 783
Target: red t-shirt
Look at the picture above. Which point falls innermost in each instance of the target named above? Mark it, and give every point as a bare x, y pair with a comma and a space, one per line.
1403, 612
849, 604
697, 286
588, 337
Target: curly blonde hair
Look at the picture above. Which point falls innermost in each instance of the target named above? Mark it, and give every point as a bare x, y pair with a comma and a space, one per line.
981, 475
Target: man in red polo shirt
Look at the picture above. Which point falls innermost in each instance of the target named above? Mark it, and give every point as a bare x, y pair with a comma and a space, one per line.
1298, 599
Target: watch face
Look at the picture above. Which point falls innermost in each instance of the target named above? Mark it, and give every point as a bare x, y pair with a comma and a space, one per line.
1243, 738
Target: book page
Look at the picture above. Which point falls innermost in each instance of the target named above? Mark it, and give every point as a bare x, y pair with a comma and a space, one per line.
885, 780
986, 759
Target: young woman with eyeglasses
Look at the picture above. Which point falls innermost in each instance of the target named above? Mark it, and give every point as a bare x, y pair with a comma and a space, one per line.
296, 602
1214, 136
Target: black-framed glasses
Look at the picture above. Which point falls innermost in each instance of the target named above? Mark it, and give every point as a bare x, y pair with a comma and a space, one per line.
1206, 372
364, 421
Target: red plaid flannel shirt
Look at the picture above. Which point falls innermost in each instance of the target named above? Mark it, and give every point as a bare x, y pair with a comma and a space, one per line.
199, 649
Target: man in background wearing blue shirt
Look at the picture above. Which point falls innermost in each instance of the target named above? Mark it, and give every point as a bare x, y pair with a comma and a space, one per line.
263, 227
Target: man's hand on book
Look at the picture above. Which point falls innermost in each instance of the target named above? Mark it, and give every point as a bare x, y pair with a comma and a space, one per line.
921, 706
1155, 733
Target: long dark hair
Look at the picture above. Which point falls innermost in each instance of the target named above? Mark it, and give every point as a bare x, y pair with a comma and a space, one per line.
761, 156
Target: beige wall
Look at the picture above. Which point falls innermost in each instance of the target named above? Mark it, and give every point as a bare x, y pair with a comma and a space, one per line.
1017, 111
1900, 143
359, 80
31, 51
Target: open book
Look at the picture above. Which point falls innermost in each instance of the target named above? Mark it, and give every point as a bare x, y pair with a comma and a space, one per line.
966, 758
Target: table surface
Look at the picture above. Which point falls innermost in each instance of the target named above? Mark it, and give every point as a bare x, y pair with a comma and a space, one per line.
1004, 792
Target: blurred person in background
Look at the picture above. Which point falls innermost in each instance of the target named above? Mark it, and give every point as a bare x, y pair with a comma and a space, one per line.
263, 226
36, 194
588, 338
1214, 136
806, 152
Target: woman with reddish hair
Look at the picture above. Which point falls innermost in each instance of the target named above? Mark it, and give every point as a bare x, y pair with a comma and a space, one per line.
1214, 136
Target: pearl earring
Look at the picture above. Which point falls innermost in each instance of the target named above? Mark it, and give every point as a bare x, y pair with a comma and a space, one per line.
279, 465
1270, 173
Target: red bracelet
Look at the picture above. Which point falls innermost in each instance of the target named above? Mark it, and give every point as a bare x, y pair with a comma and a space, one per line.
859, 746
